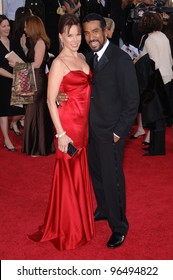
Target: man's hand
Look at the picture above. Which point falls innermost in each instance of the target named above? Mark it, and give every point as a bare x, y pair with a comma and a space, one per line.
116, 139
61, 97
135, 58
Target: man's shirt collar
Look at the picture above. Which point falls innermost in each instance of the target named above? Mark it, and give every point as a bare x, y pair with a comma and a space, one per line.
101, 52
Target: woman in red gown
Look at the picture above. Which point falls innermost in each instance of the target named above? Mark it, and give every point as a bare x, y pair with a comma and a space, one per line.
69, 219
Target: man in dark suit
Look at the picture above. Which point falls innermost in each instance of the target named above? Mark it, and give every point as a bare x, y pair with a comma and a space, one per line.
51, 23
116, 13
114, 106
37, 7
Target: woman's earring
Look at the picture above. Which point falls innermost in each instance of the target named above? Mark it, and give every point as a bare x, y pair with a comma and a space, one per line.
62, 44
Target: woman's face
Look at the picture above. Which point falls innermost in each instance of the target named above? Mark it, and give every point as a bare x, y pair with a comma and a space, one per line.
4, 28
25, 29
71, 39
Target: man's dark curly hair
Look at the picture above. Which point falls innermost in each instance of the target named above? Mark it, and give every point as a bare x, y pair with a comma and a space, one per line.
94, 16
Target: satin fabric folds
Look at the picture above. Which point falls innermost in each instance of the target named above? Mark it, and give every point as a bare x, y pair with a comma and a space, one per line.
69, 219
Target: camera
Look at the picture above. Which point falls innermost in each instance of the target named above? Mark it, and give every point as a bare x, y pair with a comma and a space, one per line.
160, 3
159, 7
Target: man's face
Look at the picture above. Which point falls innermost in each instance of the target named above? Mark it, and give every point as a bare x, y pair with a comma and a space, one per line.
94, 35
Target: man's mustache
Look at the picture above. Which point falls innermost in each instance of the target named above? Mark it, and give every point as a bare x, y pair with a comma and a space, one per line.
91, 41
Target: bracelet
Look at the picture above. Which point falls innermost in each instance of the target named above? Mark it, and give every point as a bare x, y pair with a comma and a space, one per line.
60, 135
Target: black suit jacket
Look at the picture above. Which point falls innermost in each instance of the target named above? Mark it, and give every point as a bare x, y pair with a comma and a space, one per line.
155, 104
114, 96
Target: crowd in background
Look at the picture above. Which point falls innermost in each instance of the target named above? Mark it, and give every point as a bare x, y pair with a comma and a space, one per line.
123, 18
102, 90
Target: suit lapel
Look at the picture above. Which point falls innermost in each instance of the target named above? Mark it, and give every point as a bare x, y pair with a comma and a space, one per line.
101, 63
104, 59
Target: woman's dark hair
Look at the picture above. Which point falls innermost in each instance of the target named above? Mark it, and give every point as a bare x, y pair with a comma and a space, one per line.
66, 21
22, 13
94, 16
3, 17
150, 22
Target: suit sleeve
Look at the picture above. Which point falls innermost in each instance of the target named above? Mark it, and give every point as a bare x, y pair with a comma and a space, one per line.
129, 94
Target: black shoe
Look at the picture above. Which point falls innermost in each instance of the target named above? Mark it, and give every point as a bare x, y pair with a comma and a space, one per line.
18, 133
20, 124
10, 149
145, 143
149, 154
146, 149
115, 240
136, 137
99, 216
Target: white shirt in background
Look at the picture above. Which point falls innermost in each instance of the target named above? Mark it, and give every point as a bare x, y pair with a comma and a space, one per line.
158, 47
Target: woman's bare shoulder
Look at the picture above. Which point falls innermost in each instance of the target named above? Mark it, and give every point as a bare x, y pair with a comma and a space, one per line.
40, 41
58, 63
40, 44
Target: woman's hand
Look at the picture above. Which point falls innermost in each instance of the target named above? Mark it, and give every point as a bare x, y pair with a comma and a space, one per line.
63, 142
79, 5
12, 63
64, 8
23, 41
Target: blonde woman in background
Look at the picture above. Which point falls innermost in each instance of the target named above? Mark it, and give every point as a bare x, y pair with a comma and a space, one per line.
110, 25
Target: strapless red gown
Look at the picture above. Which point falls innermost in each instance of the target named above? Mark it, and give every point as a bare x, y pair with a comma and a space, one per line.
69, 218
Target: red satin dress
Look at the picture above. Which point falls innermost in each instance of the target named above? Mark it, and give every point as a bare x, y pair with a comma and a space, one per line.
69, 219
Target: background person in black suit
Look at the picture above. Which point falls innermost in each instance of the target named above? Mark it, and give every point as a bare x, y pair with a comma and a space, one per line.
51, 23
116, 13
37, 7
101, 7
113, 109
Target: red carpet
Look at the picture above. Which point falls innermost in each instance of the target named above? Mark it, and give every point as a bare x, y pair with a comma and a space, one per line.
24, 190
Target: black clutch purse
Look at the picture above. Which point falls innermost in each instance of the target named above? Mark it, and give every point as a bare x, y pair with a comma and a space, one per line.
72, 150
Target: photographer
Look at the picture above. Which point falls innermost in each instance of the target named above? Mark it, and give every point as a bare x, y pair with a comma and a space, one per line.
134, 18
